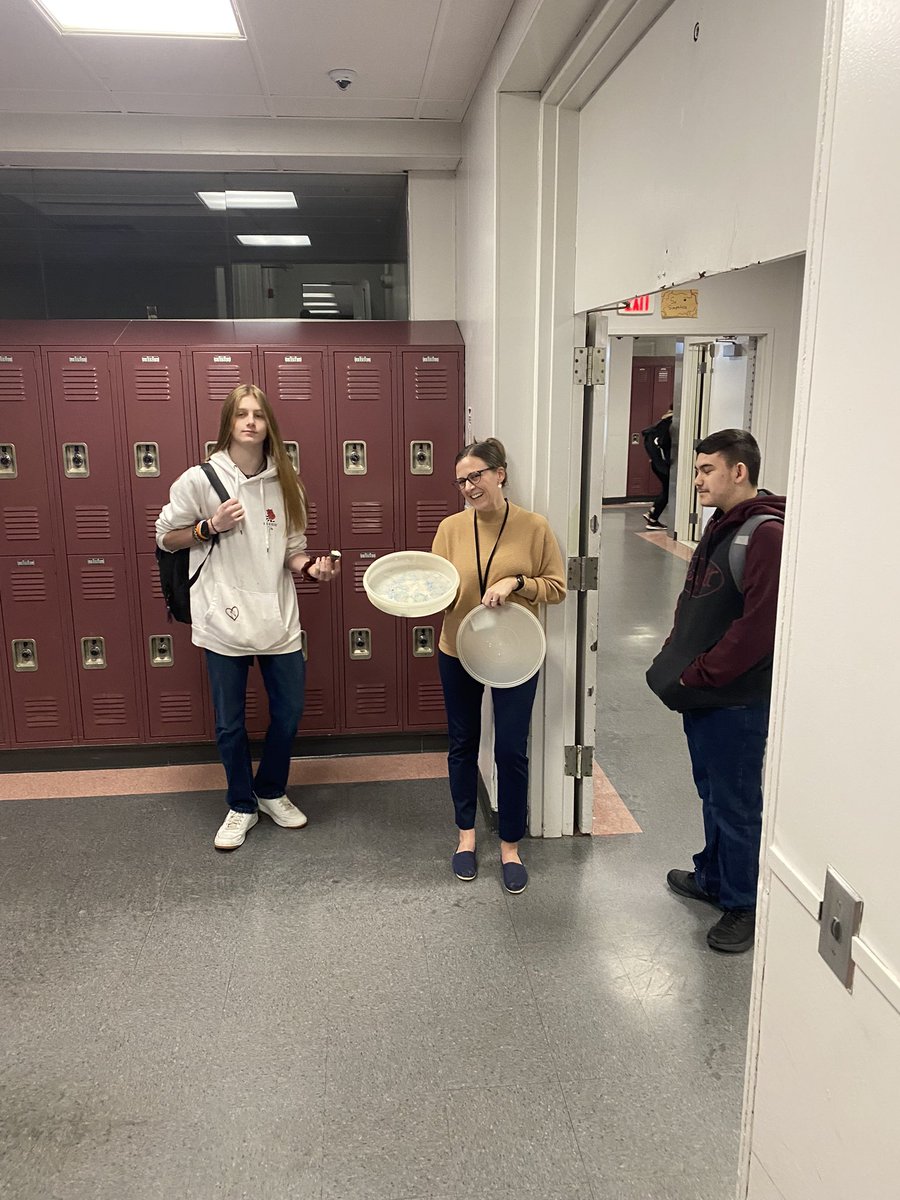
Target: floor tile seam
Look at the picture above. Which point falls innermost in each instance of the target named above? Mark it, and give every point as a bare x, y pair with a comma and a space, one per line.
587, 1174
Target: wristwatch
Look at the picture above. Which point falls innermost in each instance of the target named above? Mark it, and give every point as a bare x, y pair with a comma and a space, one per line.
520, 583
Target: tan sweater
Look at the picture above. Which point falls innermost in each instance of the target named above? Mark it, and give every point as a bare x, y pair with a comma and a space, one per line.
528, 547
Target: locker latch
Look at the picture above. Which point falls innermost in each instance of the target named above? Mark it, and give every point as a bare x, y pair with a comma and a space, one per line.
75, 460
304, 645
355, 458
25, 654
161, 651
293, 453
93, 653
421, 458
360, 643
423, 641
7, 461
146, 459
208, 448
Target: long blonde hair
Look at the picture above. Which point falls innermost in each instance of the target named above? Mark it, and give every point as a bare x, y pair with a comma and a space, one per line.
296, 502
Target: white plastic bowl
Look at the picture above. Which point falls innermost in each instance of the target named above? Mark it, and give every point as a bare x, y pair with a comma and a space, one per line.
501, 647
411, 583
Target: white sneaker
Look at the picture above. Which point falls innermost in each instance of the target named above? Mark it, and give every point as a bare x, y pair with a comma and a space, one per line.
282, 812
234, 829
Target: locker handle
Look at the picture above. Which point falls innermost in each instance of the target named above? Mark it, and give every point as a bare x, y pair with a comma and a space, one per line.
360, 643
76, 464
8, 469
162, 653
24, 651
423, 641
93, 653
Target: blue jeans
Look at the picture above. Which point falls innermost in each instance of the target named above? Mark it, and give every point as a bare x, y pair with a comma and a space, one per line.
512, 717
727, 747
285, 678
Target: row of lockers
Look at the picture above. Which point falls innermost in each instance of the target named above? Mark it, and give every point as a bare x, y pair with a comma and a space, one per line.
90, 440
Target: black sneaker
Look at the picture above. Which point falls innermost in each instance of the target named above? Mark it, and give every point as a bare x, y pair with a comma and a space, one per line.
653, 524
685, 884
734, 931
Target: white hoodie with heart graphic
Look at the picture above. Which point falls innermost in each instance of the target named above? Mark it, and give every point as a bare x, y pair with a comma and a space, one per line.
244, 600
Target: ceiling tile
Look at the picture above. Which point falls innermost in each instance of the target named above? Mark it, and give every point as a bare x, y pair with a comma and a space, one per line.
171, 64
37, 100
463, 46
199, 105
349, 107
33, 55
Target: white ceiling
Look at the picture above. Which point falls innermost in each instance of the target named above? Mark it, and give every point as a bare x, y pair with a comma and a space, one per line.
414, 59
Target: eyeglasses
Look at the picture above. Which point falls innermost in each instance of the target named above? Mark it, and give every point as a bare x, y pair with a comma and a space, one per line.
473, 477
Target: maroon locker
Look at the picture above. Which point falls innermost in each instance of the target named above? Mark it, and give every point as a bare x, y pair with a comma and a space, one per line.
216, 374
366, 455
317, 606
173, 673
25, 509
295, 386
432, 437
33, 598
104, 648
368, 652
156, 449
424, 694
86, 452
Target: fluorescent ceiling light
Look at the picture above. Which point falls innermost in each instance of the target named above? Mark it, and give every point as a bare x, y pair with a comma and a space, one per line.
148, 18
273, 239
219, 201
317, 295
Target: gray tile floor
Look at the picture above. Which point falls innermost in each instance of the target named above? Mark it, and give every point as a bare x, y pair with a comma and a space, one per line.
328, 1015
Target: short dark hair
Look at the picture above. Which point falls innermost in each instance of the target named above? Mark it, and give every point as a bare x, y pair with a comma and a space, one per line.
489, 451
735, 446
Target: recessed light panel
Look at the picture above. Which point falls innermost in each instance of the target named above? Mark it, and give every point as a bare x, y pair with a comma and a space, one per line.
219, 201
273, 239
147, 18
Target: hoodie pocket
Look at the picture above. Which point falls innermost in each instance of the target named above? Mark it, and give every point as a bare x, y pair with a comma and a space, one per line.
249, 622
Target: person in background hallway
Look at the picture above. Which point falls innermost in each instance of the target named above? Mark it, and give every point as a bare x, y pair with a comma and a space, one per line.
658, 444
243, 603
716, 669
504, 554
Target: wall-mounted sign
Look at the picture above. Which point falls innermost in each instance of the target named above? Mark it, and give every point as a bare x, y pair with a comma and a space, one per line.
638, 306
679, 303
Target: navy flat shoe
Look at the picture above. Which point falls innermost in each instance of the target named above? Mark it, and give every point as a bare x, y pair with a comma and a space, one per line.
515, 877
464, 865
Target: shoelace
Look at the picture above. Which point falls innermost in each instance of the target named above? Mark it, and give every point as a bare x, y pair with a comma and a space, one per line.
233, 820
283, 803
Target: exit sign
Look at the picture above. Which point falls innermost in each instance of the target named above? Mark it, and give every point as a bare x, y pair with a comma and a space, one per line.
638, 306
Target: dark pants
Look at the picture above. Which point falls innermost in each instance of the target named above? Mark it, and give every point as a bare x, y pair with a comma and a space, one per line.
285, 678
512, 717
727, 747
659, 504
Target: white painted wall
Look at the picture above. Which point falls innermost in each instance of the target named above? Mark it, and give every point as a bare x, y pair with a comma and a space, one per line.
697, 156
431, 206
618, 411
764, 301
824, 1115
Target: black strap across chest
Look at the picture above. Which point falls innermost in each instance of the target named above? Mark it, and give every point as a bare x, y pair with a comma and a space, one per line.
483, 577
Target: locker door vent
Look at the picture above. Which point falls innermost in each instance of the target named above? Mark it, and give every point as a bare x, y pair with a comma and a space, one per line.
314, 705
253, 704
312, 520
98, 584
359, 569
152, 383
29, 587
367, 517
429, 514
41, 713
371, 700
175, 708
91, 522
109, 709
12, 383
304, 586
221, 380
364, 383
294, 382
430, 697
21, 524
431, 383
152, 513
80, 384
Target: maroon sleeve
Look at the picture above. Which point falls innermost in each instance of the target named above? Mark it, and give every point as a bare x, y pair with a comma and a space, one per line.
752, 636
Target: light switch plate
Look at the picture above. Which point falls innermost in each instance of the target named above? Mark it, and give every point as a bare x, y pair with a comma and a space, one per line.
838, 925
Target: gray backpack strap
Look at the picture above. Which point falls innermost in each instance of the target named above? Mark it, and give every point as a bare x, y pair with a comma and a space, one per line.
737, 551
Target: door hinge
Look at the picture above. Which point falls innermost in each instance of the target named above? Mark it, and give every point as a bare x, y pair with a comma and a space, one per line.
590, 366
582, 574
578, 761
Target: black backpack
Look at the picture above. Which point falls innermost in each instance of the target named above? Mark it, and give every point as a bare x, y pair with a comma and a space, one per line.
174, 566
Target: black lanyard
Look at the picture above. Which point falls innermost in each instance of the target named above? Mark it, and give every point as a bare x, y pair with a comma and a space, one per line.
482, 579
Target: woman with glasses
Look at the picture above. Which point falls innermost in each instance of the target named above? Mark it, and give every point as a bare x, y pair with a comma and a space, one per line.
504, 554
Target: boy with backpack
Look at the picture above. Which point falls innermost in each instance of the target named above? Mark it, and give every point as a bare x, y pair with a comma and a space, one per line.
658, 444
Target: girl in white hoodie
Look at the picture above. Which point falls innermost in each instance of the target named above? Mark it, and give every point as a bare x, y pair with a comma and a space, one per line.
243, 602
